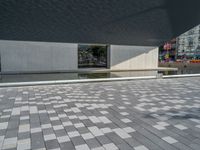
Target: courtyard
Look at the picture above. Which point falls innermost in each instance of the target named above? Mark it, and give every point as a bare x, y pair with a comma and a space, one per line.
158, 114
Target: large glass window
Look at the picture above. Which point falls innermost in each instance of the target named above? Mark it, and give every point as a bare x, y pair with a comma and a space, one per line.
92, 56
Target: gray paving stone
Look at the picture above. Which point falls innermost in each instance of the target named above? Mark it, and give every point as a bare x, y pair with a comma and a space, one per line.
52, 144
124, 147
93, 143
77, 141
11, 133
37, 141
66, 146
103, 140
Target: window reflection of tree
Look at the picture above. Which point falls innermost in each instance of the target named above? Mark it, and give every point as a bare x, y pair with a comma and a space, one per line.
92, 56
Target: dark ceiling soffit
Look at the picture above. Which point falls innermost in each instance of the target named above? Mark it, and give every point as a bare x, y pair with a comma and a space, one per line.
131, 22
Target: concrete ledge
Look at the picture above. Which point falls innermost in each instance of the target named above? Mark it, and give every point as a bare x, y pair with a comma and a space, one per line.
181, 76
13, 84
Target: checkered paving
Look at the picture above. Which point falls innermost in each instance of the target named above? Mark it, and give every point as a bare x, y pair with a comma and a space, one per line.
140, 115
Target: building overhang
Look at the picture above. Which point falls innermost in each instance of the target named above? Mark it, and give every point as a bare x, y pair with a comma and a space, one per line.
127, 22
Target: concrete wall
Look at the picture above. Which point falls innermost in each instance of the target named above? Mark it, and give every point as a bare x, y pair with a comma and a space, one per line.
133, 57
20, 56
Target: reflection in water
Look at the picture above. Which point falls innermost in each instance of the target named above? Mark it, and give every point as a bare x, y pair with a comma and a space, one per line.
74, 76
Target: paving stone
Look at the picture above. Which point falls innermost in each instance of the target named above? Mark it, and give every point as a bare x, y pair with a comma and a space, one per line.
37, 141
121, 133
93, 143
73, 134
106, 130
110, 146
49, 137
181, 127
24, 128
10, 143
126, 120
87, 136
35, 130
142, 147
67, 145
169, 140
128, 129
113, 115
52, 144
63, 139
95, 131
82, 147
1, 141
3, 125
24, 144
98, 148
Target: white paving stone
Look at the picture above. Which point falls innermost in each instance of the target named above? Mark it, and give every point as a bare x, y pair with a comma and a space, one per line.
63, 139
16, 111
33, 110
170, 140
124, 113
128, 130
94, 119
10, 143
73, 134
79, 125
58, 127
3, 125
104, 112
106, 130
141, 147
159, 127
126, 120
105, 120
82, 117
24, 144
24, 128
46, 126
73, 117
98, 148
87, 136
49, 137
181, 127
95, 131
1, 141
54, 118
36, 130
122, 133
24, 118
110, 146
68, 123
164, 124
198, 126
82, 147
75, 110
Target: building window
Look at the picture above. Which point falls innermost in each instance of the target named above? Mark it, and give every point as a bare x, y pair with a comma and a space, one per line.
92, 56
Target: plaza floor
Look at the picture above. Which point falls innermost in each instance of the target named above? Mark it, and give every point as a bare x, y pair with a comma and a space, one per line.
160, 114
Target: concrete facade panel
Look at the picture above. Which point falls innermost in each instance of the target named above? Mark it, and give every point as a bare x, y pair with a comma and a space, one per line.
133, 57
37, 56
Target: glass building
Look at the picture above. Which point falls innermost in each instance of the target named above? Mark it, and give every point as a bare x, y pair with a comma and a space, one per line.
188, 44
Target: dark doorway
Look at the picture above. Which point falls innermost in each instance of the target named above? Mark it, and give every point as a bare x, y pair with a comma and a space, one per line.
92, 56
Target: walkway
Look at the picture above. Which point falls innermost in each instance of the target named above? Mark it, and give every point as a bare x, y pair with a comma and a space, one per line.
144, 114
